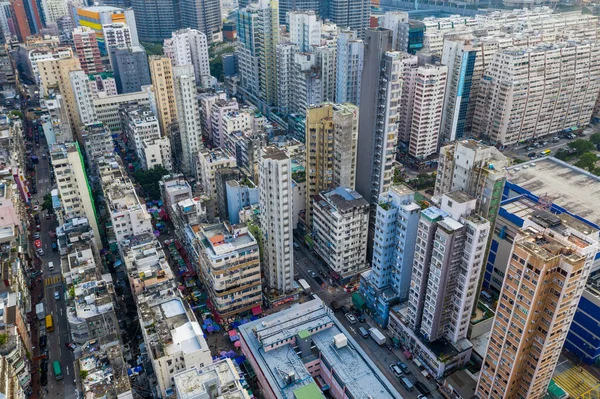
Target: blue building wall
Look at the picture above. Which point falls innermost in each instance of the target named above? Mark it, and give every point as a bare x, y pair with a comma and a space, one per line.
238, 197
583, 339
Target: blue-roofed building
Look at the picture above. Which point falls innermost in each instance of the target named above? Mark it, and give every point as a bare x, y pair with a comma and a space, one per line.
551, 192
388, 280
294, 349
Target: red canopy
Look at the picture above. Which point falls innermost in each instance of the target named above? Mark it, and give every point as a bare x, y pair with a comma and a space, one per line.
232, 333
256, 310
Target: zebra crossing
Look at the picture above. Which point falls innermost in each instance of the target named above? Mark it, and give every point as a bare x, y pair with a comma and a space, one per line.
48, 281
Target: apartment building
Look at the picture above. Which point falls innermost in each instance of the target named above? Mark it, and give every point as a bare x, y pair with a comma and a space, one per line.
206, 101
130, 66
71, 179
117, 34
40, 54
449, 254
55, 119
221, 376
189, 140
230, 267
96, 17
161, 73
97, 142
190, 46
304, 29
331, 146
275, 183
340, 238
388, 280
423, 88
86, 48
545, 278
350, 52
509, 110
285, 75
239, 195
219, 109
258, 33
15, 367
174, 188
209, 161
306, 83
381, 87
106, 369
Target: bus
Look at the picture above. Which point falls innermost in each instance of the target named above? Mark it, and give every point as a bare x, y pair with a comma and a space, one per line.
545, 153
49, 323
57, 371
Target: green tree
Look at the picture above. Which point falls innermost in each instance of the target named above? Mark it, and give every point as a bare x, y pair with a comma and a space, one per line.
3, 339
587, 161
47, 205
580, 146
153, 48
595, 138
216, 68
148, 180
562, 154
83, 374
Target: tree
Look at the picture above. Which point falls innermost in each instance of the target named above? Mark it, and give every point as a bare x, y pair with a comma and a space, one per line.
47, 205
562, 154
587, 161
83, 374
580, 146
148, 180
216, 68
595, 138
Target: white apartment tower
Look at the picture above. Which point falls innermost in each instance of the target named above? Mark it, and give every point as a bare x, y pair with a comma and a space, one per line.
285, 75
188, 117
189, 46
449, 255
423, 90
54, 9
349, 65
305, 29
537, 91
275, 183
116, 35
306, 83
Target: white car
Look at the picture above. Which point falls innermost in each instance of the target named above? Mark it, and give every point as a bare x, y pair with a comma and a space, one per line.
311, 273
350, 317
56, 295
40, 252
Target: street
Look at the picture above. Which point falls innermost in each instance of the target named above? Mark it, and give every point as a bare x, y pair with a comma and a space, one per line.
52, 282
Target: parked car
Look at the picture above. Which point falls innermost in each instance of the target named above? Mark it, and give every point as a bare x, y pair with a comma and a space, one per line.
41, 252
71, 345
396, 370
531, 155
403, 367
54, 246
350, 317
44, 379
319, 280
421, 387
36, 236
44, 365
344, 309
37, 243
36, 208
57, 295
311, 273
361, 317
43, 341
335, 306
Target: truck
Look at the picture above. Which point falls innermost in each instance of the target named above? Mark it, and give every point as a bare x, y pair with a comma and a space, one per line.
304, 285
39, 311
377, 336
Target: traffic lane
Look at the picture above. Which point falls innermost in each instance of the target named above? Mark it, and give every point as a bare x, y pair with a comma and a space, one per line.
303, 262
380, 355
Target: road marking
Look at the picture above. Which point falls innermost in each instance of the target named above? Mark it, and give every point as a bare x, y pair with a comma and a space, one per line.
67, 370
60, 311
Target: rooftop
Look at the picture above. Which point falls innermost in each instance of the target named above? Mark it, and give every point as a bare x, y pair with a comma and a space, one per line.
284, 367
221, 238
341, 199
106, 369
193, 383
568, 186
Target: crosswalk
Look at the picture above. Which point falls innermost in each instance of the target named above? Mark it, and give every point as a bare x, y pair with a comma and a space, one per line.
578, 383
48, 281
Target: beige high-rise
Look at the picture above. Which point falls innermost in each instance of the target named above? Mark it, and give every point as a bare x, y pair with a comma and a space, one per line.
545, 278
161, 72
331, 140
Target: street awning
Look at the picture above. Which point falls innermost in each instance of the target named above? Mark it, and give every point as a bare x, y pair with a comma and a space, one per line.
358, 300
256, 310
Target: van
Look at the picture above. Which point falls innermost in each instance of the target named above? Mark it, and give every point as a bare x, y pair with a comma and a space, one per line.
363, 332
50, 266
296, 245
396, 370
486, 296
407, 384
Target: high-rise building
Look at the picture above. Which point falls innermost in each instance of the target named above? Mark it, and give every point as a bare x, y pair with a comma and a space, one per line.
258, 33
206, 102
546, 275
116, 35
188, 119
223, 248
275, 182
54, 10
448, 258
285, 61
460, 56
285, 6
96, 17
209, 161
156, 19
331, 141
20, 18
340, 239
86, 48
305, 29
189, 46
306, 84
75, 194
391, 20
203, 15
218, 111
350, 14
388, 280
423, 89
350, 59
34, 16
130, 67
161, 73
325, 60
381, 85
520, 112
